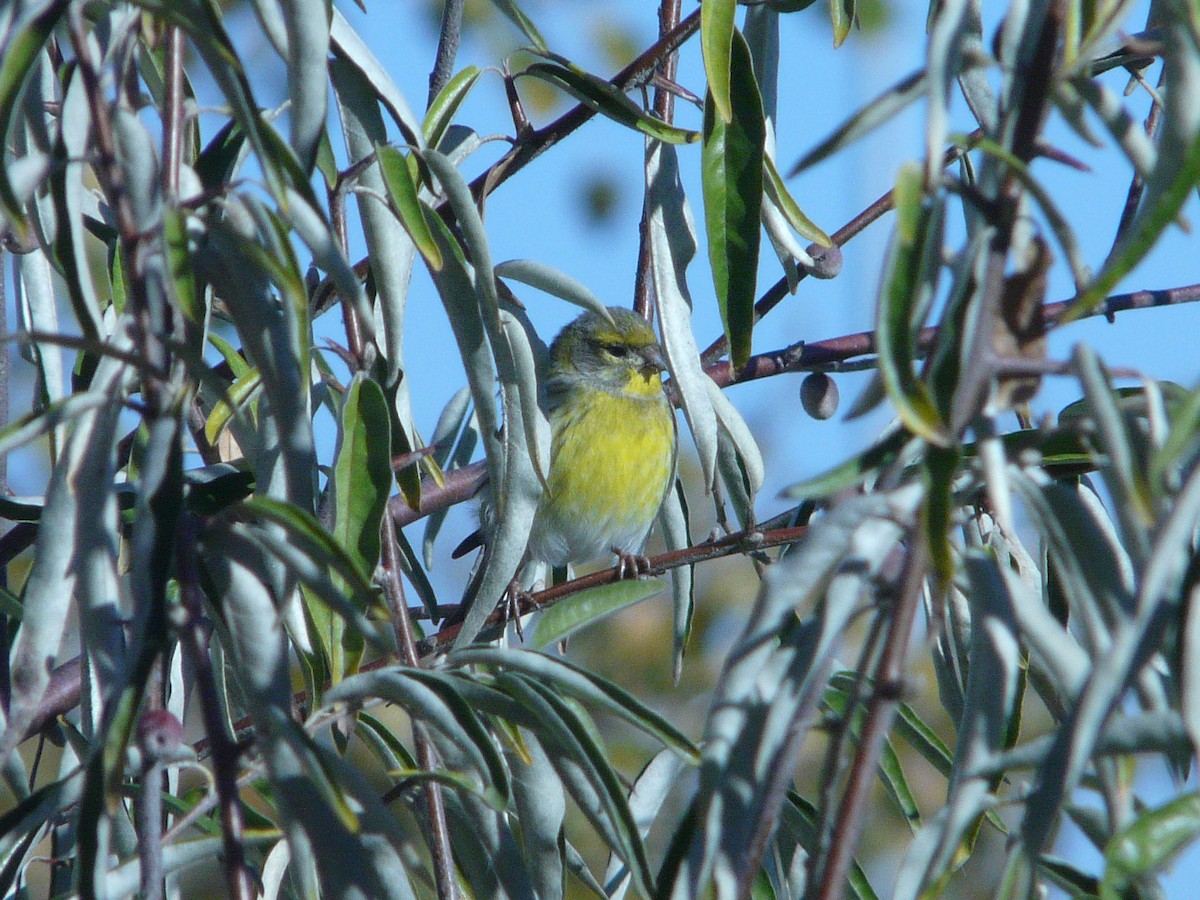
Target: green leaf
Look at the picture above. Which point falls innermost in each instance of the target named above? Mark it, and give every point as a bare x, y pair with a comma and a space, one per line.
716, 42
362, 481
732, 176
589, 606
911, 265
408, 209
884, 107
20, 54
852, 472
606, 99
841, 15
778, 192
1148, 844
446, 103
517, 16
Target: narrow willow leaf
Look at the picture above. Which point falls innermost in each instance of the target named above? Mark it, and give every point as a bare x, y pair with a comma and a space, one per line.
441, 111
552, 281
587, 687
605, 98
570, 743
716, 42
881, 109
676, 532
1175, 174
348, 45
70, 195
586, 607
778, 192
240, 393
20, 53
362, 483
542, 807
76, 519
732, 176
403, 194
647, 797
906, 273
672, 249
314, 540
514, 14
434, 699
307, 24
841, 14
1148, 844
852, 472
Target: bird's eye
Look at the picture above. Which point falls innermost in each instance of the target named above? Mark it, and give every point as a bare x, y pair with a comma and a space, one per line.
619, 351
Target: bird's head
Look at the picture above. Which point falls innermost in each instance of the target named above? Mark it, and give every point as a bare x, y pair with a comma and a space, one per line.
621, 356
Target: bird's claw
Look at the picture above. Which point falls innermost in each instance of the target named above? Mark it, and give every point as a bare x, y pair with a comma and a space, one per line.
631, 565
516, 596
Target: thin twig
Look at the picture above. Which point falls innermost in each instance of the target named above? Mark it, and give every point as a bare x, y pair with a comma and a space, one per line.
664, 109
1137, 184
224, 752
393, 592
830, 876
449, 38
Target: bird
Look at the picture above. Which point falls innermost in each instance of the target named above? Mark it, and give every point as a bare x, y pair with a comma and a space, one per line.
612, 441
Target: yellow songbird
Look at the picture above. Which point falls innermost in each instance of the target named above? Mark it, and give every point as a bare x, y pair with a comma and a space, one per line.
612, 454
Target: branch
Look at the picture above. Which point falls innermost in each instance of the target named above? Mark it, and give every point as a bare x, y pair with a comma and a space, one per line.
447, 49
664, 108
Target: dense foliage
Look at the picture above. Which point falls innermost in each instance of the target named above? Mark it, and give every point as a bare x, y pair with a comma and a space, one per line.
221, 651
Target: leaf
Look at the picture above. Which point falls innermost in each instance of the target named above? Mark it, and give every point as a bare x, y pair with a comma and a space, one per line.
552, 281
441, 111
778, 192
514, 14
348, 45
853, 472
732, 176
569, 615
841, 14
672, 249
1148, 844
16, 63
884, 107
716, 41
607, 99
308, 50
910, 273
362, 482
408, 209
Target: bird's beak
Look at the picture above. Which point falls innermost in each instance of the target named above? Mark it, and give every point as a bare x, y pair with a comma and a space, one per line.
653, 359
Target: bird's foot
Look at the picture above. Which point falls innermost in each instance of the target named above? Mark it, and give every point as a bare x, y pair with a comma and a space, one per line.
516, 597
631, 565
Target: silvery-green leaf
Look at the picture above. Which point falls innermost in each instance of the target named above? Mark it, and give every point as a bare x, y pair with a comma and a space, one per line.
312, 228
350, 46
943, 60
541, 806
870, 117
773, 679
650, 790
672, 249
307, 51
552, 281
37, 310
75, 522
71, 196
676, 532
271, 18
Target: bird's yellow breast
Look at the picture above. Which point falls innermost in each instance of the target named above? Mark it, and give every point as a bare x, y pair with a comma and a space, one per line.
611, 459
